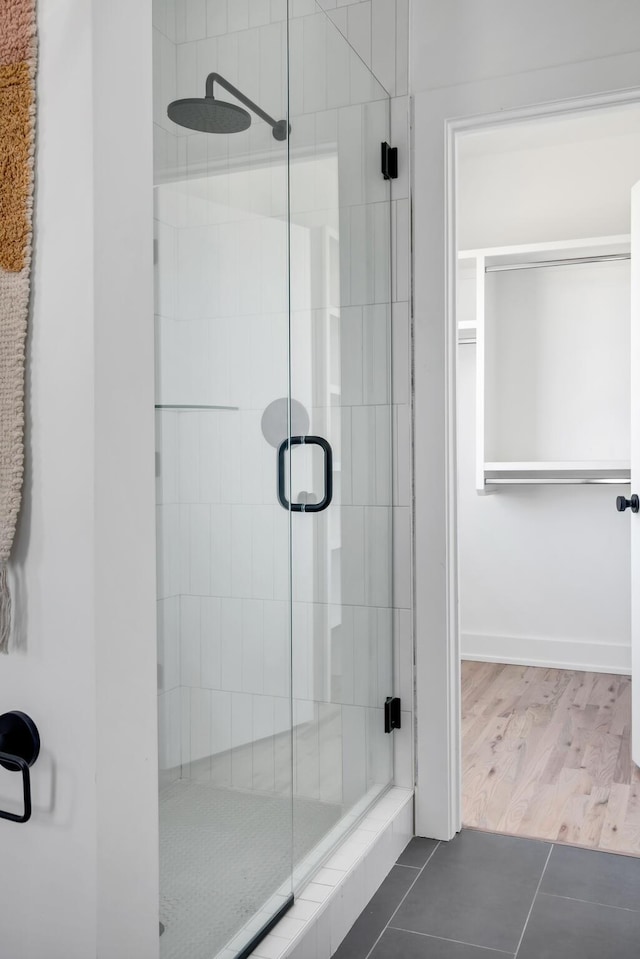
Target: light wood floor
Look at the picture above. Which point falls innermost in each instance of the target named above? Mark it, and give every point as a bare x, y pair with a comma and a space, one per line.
546, 754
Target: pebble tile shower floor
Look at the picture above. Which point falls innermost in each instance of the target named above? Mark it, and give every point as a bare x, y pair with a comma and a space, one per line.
484, 895
222, 853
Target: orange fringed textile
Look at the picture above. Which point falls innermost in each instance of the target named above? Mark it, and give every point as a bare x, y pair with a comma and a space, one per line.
17, 143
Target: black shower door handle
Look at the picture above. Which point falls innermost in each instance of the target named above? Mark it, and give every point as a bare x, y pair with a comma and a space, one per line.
328, 474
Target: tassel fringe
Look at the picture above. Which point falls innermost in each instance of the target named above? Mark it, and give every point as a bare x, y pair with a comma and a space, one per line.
5, 610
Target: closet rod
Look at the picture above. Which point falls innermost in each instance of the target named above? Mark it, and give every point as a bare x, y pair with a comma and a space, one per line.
569, 261
560, 481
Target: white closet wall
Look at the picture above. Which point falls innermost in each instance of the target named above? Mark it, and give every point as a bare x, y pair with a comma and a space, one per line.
544, 571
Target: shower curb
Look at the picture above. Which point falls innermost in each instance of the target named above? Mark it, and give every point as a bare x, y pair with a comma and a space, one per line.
329, 904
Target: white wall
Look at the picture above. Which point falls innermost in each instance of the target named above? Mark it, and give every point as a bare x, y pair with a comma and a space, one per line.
473, 59
51, 675
544, 571
83, 639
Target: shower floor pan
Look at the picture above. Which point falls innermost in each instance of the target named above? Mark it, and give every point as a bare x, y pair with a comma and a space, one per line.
223, 852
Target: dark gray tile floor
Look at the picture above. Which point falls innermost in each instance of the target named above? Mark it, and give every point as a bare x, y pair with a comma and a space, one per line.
483, 895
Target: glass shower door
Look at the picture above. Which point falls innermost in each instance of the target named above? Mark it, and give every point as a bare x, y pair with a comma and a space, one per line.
340, 212
222, 409
274, 485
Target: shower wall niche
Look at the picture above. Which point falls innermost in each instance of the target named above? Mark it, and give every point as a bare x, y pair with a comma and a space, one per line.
275, 627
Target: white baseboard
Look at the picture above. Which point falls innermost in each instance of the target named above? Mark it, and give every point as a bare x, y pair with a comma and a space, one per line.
556, 653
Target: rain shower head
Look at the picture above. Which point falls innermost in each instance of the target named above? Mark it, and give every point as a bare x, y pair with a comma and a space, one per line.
208, 115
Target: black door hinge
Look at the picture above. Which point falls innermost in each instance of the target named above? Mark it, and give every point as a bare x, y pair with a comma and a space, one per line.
389, 162
392, 714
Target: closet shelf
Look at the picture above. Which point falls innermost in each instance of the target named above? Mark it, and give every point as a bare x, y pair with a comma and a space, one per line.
548, 303
576, 472
538, 253
467, 331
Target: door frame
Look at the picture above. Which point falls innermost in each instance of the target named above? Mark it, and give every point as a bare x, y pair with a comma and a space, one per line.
438, 726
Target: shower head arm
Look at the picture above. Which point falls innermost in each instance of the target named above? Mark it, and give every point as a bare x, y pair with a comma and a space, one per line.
279, 127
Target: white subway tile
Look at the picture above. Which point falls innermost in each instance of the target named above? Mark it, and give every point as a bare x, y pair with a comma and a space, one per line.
209, 457
169, 728
402, 557
231, 650
364, 86
259, 12
168, 643
350, 158
376, 359
400, 139
383, 456
351, 336
241, 736
301, 650
273, 63
220, 721
340, 17
363, 455
338, 75
238, 15
361, 254
271, 947
383, 42
277, 649
352, 555
365, 647
303, 909
195, 20
402, 47
262, 579
401, 231
166, 270
401, 353
381, 252
402, 456
190, 640
354, 771
278, 10
199, 549
210, 642
330, 753
359, 30
167, 457
343, 658
377, 555
201, 733
241, 543
252, 646
403, 773
185, 727
314, 63
314, 892
329, 877
303, 8
386, 652
206, 63
220, 550
216, 17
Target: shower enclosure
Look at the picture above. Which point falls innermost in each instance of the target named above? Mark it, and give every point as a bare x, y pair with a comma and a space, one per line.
274, 475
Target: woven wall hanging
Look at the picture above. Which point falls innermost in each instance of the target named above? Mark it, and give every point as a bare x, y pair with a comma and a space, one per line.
17, 136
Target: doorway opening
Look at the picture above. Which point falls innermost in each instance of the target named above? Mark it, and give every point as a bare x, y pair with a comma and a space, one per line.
544, 395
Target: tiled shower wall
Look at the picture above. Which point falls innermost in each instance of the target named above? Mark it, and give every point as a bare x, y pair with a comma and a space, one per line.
222, 539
